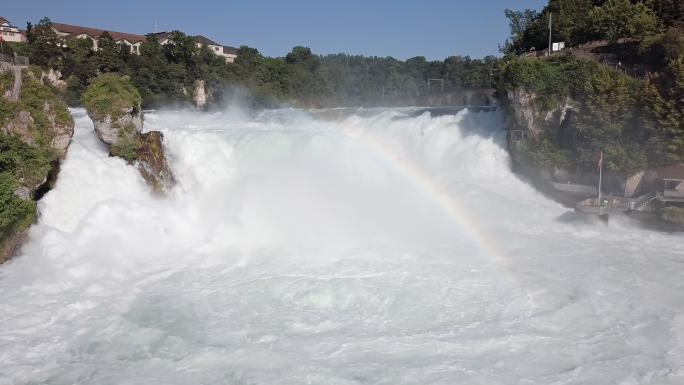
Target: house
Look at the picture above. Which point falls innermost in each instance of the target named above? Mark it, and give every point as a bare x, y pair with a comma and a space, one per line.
130, 40
670, 183
10, 32
226, 52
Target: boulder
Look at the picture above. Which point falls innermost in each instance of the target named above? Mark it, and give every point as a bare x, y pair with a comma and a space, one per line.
529, 115
113, 129
201, 95
10, 245
53, 78
60, 132
20, 126
152, 162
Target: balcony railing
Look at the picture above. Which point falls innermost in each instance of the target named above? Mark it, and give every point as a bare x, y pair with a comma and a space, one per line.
22, 61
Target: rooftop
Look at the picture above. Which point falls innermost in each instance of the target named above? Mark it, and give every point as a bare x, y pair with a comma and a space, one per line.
96, 33
672, 172
229, 50
5, 21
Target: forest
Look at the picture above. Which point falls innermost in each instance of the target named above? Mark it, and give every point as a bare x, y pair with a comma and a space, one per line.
165, 74
628, 92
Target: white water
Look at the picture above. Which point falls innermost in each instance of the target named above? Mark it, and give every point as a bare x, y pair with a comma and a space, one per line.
293, 251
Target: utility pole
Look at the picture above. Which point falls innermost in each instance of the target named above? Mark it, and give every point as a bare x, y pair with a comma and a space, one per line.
548, 53
491, 75
436, 80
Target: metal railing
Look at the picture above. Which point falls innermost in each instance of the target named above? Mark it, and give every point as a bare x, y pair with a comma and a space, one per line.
22, 61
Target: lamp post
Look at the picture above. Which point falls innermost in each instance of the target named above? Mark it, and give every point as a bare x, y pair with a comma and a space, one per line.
548, 53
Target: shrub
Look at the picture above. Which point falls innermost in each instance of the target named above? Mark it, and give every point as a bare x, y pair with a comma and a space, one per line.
673, 214
111, 94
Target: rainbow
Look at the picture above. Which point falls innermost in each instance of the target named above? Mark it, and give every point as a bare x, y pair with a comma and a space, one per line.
432, 189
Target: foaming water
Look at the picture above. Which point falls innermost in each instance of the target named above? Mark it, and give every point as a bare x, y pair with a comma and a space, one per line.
331, 247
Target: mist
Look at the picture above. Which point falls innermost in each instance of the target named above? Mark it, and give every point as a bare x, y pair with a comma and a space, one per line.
344, 246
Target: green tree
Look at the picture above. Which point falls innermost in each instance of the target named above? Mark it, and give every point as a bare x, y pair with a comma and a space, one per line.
618, 19
44, 44
107, 56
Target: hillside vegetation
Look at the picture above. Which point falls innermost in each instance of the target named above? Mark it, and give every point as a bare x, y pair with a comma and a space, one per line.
34, 132
636, 120
166, 75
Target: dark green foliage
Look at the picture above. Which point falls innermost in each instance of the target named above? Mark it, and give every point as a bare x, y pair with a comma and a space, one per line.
671, 12
663, 100
580, 21
20, 164
128, 145
107, 57
43, 105
636, 123
623, 19
6, 81
44, 47
607, 117
26, 163
658, 50
15, 213
168, 74
673, 215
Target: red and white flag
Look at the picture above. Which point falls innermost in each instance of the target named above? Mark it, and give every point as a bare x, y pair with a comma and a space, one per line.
600, 161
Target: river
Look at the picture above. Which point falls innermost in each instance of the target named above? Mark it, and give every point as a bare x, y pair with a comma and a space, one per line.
369, 246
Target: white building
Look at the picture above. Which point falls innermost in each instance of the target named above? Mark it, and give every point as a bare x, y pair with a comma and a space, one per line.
66, 31
10, 32
226, 52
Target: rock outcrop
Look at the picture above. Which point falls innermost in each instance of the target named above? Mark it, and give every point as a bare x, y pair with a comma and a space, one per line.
152, 162
53, 78
11, 243
35, 130
529, 113
201, 95
113, 128
113, 104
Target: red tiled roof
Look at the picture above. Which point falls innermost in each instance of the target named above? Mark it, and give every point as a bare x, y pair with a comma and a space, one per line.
672, 172
95, 33
162, 35
204, 40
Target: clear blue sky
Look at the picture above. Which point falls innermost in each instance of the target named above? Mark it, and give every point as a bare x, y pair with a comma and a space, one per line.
431, 28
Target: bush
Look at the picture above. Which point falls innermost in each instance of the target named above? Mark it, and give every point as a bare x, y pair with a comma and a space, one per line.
606, 118
15, 213
128, 145
112, 95
43, 104
6, 81
673, 215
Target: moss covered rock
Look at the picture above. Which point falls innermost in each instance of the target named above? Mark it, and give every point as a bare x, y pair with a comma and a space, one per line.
673, 215
152, 161
113, 103
35, 132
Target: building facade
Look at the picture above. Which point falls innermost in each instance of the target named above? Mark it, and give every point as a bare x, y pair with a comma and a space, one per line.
66, 31
11, 33
226, 52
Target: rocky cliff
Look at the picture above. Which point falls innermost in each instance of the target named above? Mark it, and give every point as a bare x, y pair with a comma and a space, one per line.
201, 95
35, 131
113, 104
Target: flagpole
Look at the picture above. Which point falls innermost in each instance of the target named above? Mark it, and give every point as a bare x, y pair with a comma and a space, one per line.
599, 184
